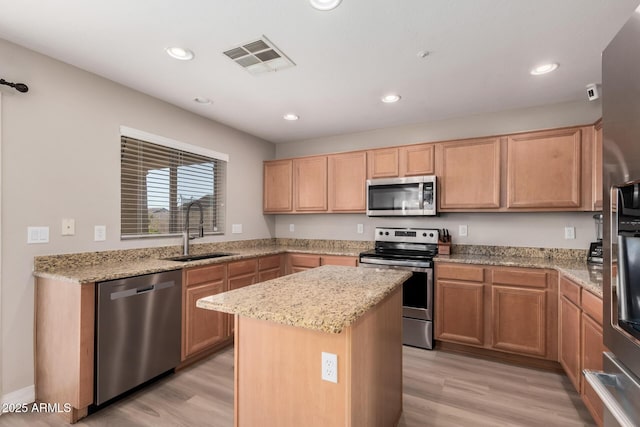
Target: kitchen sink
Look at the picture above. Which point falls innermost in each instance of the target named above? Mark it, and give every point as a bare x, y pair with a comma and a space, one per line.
187, 258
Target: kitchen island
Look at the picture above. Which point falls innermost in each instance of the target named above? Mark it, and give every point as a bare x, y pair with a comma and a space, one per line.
283, 326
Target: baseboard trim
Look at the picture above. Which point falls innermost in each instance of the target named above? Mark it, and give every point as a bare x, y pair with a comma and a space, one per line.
24, 395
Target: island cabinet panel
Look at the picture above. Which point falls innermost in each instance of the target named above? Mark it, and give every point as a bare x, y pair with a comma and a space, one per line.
383, 163
347, 182
544, 169
469, 174
369, 387
416, 160
64, 345
270, 267
278, 186
310, 184
498, 309
202, 329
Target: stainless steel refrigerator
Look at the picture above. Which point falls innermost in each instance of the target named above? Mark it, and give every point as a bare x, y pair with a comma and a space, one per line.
619, 385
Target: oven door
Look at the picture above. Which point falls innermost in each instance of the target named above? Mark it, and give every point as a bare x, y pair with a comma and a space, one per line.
417, 291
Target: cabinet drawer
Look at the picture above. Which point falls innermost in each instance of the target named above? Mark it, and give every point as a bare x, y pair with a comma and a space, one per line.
198, 275
570, 290
349, 261
532, 278
460, 272
265, 275
304, 260
269, 262
239, 268
592, 305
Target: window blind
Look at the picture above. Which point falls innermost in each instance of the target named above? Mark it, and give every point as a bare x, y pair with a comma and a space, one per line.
157, 185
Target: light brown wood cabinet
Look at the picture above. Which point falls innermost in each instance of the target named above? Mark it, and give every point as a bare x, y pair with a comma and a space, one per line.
383, 163
202, 329
545, 169
347, 182
497, 308
310, 184
597, 167
277, 193
240, 274
270, 267
300, 262
416, 160
581, 340
469, 174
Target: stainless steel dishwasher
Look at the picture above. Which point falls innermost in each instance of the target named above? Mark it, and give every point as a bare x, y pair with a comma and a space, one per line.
138, 321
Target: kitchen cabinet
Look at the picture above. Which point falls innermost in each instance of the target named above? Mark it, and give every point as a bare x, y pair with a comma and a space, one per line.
416, 160
383, 163
545, 169
469, 174
269, 267
597, 167
301, 262
497, 308
347, 182
310, 184
581, 340
202, 329
278, 186
240, 274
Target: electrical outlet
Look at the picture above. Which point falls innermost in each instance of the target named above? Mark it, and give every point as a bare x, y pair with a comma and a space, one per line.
68, 227
292, 228
236, 228
462, 230
569, 233
100, 233
330, 367
360, 228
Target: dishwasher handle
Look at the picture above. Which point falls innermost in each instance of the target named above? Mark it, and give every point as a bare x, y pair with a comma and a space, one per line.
142, 290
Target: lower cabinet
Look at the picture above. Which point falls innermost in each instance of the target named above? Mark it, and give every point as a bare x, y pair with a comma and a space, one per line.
300, 262
240, 274
202, 329
511, 310
269, 267
581, 340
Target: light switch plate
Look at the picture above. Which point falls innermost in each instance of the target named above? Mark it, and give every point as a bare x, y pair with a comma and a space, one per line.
236, 228
569, 233
292, 228
360, 228
462, 230
68, 227
100, 233
37, 234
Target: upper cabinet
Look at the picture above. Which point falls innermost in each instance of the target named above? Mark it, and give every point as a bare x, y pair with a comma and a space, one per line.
383, 163
469, 174
310, 184
416, 160
545, 169
347, 182
277, 186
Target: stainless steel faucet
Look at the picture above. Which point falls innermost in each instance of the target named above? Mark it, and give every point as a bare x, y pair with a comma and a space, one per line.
185, 233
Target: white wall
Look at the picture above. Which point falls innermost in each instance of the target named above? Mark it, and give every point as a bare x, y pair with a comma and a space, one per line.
61, 159
502, 229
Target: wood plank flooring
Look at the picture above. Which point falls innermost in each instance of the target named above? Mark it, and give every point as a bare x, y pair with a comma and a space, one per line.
440, 389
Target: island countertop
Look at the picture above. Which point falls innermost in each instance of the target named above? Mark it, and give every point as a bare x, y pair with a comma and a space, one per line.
326, 299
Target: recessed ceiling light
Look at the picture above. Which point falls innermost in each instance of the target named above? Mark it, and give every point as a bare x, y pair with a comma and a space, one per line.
202, 100
544, 69
291, 117
390, 99
325, 4
180, 53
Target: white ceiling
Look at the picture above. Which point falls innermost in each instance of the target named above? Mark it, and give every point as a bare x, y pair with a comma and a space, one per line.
481, 52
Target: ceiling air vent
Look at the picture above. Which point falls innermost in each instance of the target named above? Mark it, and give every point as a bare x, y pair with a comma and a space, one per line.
259, 57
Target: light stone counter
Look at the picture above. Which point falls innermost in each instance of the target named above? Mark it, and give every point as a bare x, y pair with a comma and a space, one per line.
587, 276
326, 299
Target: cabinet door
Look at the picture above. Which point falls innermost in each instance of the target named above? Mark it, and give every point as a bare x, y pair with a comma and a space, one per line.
349, 261
301, 262
204, 328
417, 160
269, 267
459, 312
383, 163
597, 168
470, 174
278, 186
518, 318
310, 184
570, 340
347, 182
592, 349
544, 169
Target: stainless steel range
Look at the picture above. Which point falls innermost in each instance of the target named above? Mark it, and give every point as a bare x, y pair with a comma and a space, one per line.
410, 249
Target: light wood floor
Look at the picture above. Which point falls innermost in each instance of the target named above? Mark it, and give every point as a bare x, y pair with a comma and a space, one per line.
440, 389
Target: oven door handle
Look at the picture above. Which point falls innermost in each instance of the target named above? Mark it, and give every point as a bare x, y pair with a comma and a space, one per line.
379, 263
600, 381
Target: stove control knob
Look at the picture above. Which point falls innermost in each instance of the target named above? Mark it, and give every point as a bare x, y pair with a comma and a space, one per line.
430, 234
424, 234
381, 233
386, 233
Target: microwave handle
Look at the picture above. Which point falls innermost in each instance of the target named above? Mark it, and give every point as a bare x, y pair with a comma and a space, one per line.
421, 195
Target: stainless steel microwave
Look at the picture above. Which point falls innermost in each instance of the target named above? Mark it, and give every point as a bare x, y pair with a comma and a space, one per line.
411, 196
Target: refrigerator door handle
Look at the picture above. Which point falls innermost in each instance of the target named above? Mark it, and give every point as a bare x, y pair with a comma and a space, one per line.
600, 381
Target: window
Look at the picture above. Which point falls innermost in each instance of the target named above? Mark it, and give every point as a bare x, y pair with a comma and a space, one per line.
159, 182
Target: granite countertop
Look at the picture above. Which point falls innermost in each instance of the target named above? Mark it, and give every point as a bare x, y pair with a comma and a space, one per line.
327, 298
111, 265
586, 275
